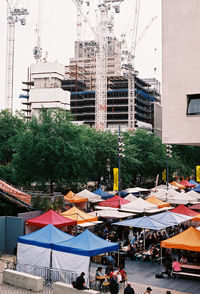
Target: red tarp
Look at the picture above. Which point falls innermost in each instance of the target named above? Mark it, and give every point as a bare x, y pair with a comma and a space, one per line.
116, 202
15, 193
186, 184
51, 217
182, 209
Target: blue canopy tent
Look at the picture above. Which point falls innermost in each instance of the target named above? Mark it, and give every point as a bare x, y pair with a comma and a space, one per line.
75, 254
197, 189
104, 195
171, 217
35, 248
193, 183
144, 222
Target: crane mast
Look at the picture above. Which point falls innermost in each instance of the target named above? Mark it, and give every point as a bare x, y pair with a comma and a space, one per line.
14, 15
37, 50
101, 70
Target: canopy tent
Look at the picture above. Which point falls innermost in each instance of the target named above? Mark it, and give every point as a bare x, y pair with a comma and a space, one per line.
197, 189
104, 195
187, 184
163, 187
182, 209
116, 202
174, 197
187, 240
194, 194
139, 206
196, 217
178, 185
193, 182
92, 197
35, 248
75, 256
171, 217
112, 214
78, 215
136, 190
50, 217
195, 206
74, 198
153, 200
130, 197
144, 222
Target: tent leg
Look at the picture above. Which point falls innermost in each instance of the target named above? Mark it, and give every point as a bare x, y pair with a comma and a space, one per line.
144, 238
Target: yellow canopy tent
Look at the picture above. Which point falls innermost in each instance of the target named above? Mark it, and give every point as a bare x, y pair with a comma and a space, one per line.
78, 215
187, 240
176, 184
153, 200
73, 198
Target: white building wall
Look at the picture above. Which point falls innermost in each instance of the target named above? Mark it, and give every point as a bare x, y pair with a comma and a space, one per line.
181, 69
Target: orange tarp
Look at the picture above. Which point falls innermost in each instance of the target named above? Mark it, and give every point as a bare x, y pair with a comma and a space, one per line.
78, 215
176, 184
187, 240
153, 200
73, 198
14, 192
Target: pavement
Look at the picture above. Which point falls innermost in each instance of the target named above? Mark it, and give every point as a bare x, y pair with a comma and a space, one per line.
141, 274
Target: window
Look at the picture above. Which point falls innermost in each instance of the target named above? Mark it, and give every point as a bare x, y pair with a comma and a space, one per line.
193, 107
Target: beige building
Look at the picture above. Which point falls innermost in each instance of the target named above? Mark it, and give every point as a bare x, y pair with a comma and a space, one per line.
181, 72
85, 52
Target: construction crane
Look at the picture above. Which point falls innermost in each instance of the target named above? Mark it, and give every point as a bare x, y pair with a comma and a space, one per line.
37, 50
102, 34
14, 15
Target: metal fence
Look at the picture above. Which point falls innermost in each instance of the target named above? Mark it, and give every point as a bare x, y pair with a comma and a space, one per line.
50, 275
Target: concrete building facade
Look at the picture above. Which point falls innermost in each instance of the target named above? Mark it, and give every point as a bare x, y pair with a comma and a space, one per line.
181, 72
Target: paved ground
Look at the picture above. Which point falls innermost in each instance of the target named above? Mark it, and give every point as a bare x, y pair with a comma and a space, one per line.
142, 275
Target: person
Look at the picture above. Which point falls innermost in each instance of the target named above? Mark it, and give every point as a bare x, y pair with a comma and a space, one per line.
114, 286
168, 292
99, 272
80, 282
148, 290
176, 265
123, 274
109, 270
110, 260
129, 289
168, 268
183, 260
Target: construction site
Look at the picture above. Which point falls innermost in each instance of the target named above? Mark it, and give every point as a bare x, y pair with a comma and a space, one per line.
100, 85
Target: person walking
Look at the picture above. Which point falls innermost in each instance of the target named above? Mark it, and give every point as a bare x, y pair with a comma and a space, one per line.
148, 290
129, 289
114, 286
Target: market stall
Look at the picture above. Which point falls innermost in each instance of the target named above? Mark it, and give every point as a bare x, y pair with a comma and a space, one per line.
78, 215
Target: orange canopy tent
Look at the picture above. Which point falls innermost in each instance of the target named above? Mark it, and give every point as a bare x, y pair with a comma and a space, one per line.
196, 218
153, 200
187, 240
78, 215
176, 184
73, 198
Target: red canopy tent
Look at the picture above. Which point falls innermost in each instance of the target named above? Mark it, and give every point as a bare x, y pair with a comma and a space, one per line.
187, 184
116, 202
50, 217
195, 206
182, 209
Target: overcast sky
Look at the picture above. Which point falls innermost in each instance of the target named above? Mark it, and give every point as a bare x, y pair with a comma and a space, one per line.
58, 33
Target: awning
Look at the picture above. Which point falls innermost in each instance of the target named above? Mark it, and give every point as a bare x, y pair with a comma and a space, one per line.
187, 240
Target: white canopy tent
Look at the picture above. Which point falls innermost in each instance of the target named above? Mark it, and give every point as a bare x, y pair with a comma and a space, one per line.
92, 197
194, 194
136, 190
130, 197
139, 206
112, 214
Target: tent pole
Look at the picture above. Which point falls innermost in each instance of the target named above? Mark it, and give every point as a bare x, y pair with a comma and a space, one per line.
161, 254
144, 238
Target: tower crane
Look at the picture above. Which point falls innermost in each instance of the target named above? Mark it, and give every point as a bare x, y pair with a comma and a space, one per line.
14, 15
37, 50
101, 33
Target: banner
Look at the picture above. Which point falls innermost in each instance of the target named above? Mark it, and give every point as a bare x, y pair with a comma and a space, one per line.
164, 175
115, 179
198, 173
